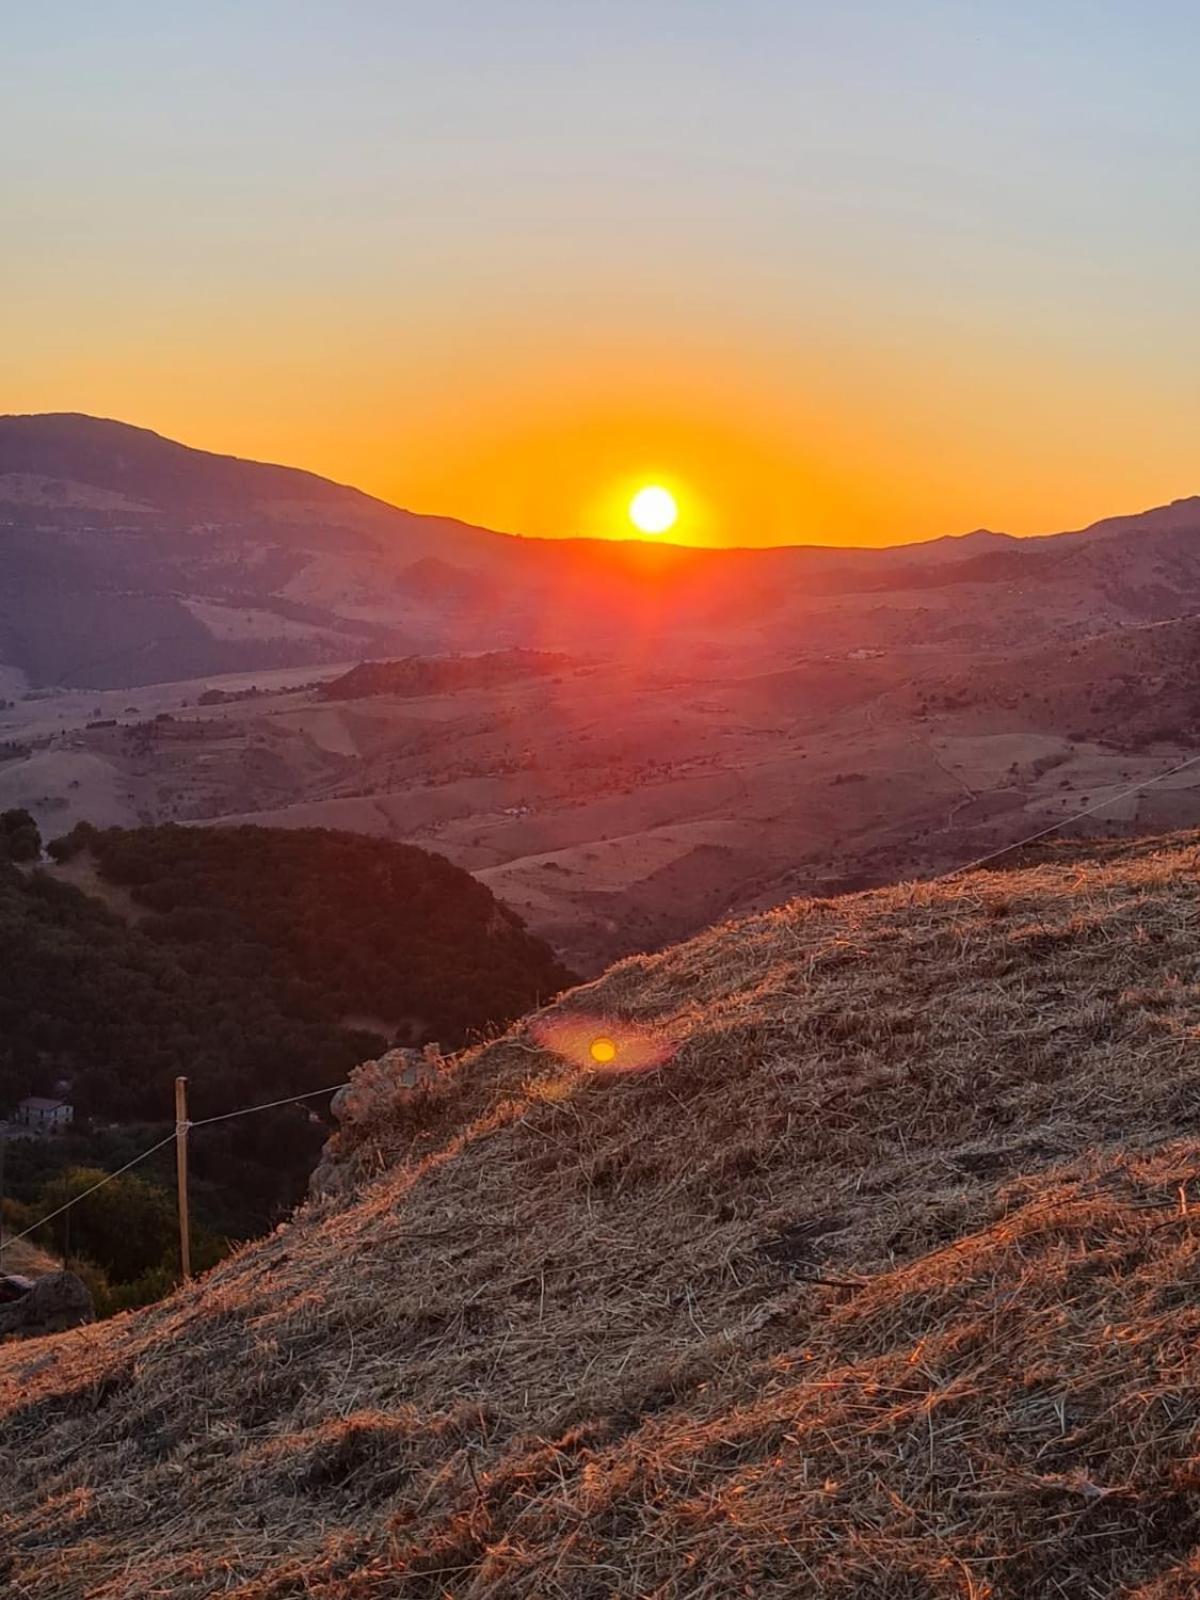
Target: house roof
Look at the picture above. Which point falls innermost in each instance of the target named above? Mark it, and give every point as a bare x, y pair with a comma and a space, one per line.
37, 1102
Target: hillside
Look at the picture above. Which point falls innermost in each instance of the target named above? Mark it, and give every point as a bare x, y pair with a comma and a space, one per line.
260, 965
700, 733
1133, 687
619, 807
874, 1279
258, 962
418, 676
132, 560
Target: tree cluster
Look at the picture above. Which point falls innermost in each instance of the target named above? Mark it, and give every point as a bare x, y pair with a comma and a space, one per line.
19, 837
332, 924
264, 964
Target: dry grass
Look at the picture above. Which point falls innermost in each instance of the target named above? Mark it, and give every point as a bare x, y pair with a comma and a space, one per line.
886, 1284
28, 1259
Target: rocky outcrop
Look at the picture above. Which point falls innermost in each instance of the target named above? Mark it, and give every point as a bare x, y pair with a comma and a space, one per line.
56, 1301
379, 1094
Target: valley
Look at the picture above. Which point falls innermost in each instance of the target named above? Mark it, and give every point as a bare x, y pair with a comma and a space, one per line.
618, 807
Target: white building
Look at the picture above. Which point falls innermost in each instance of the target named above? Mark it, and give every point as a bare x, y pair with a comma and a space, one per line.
46, 1116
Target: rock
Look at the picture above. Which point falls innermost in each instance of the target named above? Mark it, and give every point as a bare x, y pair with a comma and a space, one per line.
377, 1087
58, 1300
374, 1097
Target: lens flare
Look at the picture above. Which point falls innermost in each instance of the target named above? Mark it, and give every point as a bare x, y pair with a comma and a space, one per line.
603, 1042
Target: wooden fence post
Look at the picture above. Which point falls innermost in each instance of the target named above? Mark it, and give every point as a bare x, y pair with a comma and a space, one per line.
181, 1133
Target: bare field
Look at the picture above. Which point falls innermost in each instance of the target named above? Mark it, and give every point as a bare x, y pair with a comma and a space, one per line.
619, 806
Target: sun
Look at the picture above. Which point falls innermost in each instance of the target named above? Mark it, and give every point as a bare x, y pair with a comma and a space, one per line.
653, 510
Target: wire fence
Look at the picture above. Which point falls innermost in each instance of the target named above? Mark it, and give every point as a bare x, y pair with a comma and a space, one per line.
268, 1105
1065, 822
108, 1177
181, 1127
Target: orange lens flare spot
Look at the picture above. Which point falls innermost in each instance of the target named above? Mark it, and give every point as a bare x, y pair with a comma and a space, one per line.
589, 1042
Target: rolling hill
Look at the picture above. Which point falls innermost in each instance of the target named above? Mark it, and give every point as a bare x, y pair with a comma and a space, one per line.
623, 741
132, 560
257, 961
866, 1269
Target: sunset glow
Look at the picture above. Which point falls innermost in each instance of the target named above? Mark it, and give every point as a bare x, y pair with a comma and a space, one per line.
491, 280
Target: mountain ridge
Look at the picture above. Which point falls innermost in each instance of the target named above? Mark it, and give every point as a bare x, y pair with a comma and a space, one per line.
17, 428
132, 560
46, 431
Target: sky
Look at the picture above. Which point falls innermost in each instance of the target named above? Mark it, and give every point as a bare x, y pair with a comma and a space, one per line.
853, 273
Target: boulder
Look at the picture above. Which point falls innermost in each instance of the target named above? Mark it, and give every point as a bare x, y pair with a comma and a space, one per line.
14, 1286
376, 1095
58, 1300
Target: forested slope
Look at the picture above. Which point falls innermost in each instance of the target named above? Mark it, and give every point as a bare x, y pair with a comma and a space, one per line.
253, 952
259, 964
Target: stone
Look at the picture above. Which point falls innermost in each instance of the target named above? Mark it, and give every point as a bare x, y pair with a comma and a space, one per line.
375, 1095
56, 1301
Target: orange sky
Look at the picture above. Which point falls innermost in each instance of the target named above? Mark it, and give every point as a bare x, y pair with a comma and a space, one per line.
763, 440
760, 446
851, 275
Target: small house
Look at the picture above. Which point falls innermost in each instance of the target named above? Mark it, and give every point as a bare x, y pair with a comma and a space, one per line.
45, 1116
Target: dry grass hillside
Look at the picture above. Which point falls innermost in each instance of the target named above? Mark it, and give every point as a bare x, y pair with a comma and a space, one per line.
886, 1283
27, 1259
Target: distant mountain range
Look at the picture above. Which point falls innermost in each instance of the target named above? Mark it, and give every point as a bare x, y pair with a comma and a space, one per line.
129, 559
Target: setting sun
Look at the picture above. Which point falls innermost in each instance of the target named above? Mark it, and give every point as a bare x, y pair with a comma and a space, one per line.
653, 510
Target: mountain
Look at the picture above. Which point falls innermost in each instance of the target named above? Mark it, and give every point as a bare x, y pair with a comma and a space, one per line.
67, 459
132, 560
623, 740
864, 1269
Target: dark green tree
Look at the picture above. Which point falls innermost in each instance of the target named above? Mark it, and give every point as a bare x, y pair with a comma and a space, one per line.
127, 1227
19, 836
